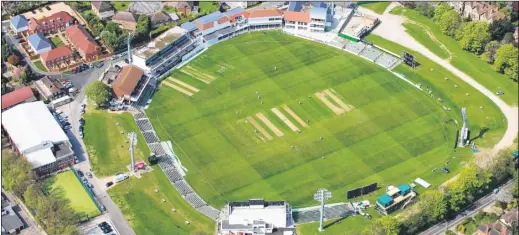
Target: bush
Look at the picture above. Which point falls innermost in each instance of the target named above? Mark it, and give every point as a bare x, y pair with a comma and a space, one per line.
461, 228
449, 232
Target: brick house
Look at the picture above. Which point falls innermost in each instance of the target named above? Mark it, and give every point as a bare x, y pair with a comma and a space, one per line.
103, 9
184, 7
83, 42
57, 22
495, 228
478, 11
55, 57
158, 19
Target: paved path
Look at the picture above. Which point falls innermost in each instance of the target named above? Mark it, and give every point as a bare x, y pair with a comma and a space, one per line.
391, 28
470, 211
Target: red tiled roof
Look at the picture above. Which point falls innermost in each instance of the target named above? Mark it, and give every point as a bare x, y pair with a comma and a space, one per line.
297, 16
56, 53
264, 13
127, 80
243, 14
15, 97
56, 18
82, 39
223, 20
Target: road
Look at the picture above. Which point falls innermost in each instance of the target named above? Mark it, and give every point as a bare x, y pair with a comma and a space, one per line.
470, 211
391, 28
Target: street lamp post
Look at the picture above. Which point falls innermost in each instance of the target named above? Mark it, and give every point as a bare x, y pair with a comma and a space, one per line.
321, 196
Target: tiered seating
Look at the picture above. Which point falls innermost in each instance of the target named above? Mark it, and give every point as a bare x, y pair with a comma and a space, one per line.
182, 187
386, 60
355, 47
194, 200
371, 53
173, 175
144, 125
150, 137
138, 116
210, 212
157, 149
337, 211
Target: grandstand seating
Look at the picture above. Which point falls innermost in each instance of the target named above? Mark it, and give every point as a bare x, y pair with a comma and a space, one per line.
182, 187
157, 149
355, 47
195, 201
138, 116
209, 212
386, 60
150, 137
370, 53
336, 211
144, 125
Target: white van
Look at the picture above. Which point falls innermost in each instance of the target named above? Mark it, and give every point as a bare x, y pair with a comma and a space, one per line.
120, 177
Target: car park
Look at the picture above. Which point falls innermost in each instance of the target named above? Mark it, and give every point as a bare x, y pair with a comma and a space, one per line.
445, 170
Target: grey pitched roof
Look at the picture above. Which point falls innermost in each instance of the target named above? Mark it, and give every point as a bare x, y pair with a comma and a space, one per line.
189, 26
210, 18
159, 16
10, 222
19, 21
38, 41
125, 16
102, 6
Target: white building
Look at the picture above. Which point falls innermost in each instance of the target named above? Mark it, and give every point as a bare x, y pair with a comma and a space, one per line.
165, 51
308, 16
260, 19
256, 216
35, 134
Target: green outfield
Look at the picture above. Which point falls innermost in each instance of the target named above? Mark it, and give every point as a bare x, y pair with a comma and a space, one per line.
68, 186
374, 126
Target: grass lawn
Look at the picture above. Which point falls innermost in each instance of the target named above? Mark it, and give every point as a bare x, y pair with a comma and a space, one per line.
465, 61
40, 66
170, 9
121, 5
394, 134
148, 215
207, 7
107, 147
378, 7
68, 186
420, 34
57, 41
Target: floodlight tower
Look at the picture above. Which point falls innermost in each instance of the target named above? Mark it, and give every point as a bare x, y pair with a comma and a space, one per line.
133, 141
129, 42
321, 196
464, 128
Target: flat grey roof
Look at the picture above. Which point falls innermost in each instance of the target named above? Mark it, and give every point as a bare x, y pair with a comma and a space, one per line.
227, 226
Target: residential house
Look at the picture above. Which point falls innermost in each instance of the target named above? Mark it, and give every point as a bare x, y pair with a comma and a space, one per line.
83, 42
158, 19
184, 7
49, 88
495, 228
54, 23
19, 24
18, 96
132, 86
54, 58
127, 20
481, 11
36, 135
11, 222
511, 218
102, 9
39, 43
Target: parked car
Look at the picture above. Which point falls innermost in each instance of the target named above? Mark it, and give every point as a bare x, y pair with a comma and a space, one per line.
91, 185
80, 173
103, 208
500, 92
75, 159
445, 170
81, 135
127, 61
67, 127
109, 184
107, 230
59, 112
82, 121
100, 65
48, 8
73, 70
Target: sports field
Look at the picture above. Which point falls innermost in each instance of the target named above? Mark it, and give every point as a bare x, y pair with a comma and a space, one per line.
68, 186
243, 134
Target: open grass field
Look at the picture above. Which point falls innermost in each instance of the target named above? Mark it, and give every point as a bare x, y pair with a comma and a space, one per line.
389, 132
465, 61
378, 7
107, 147
420, 34
121, 5
68, 186
40, 66
207, 7
148, 215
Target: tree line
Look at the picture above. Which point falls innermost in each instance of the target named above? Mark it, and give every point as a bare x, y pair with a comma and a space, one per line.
51, 211
434, 206
492, 42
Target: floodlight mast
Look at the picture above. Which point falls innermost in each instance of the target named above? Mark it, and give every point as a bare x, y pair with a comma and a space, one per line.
133, 141
322, 195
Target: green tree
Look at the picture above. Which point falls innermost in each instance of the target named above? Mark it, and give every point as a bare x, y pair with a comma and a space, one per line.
390, 224
13, 60
17, 173
449, 22
473, 36
24, 78
425, 9
98, 92
440, 10
433, 205
506, 61
499, 28
143, 27
32, 196
490, 51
